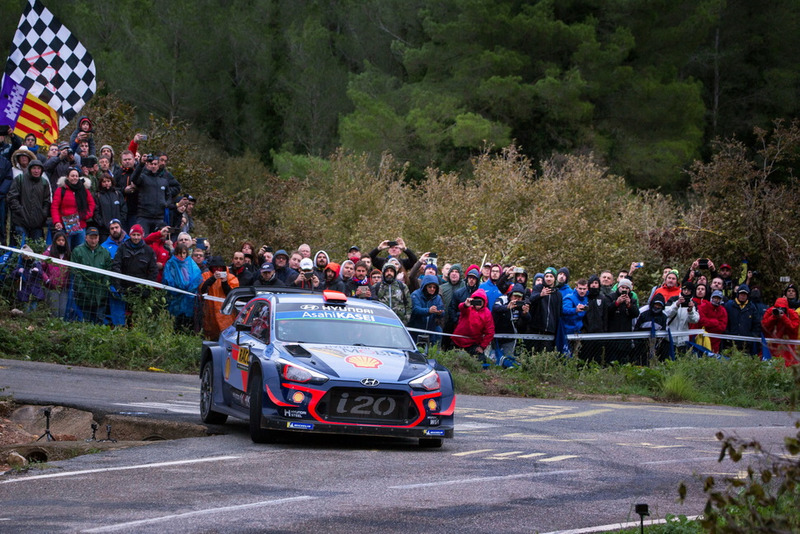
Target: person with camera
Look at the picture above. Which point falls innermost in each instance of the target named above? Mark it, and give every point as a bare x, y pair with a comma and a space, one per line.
9, 141
680, 313
217, 282
546, 303
359, 285
395, 248
574, 306
713, 317
427, 308
475, 329
154, 193
781, 322
511, 315
59, 165
308, 279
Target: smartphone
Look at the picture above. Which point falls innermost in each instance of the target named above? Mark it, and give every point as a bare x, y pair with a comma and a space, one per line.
143, 137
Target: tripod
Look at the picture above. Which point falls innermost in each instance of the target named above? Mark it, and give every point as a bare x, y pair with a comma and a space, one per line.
47, 433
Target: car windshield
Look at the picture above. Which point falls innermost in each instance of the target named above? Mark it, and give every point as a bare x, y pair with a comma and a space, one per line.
344, 325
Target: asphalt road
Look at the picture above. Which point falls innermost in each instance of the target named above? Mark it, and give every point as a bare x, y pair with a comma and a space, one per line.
515, 465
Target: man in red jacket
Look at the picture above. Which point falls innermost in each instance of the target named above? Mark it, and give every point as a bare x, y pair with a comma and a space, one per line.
713, 317
475, 323
781, 322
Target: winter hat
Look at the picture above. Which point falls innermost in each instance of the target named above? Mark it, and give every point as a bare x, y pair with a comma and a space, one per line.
35, 163
517, 289
214, 261
373, 272
345, 262
625, 283
137, 228
108, 147
551, 270
564, 270
781, 302
473, 266
688, 285
431, 266
456, 267
474, 272
62, 145
717, 293
333, 266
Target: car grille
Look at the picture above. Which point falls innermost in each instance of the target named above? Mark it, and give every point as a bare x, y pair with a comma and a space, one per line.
367, 406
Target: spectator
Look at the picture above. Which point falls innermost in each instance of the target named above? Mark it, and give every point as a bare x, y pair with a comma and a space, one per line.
20, 161
743, 320
395, 249
9, 141
60, 165
199, 257
606, 283
354, 254
72, 207
153, 188
294, 261
57, 276
359, 285
476, 325
781, 322
29, 279
461, 295
32, 143
115, 306
268, 277
321, 260
728, 283
573, 307
332, 280
680, 313
652, 319
346, 271
664, 274
308, 279
622, 313
791, 296
89, 288
546, 303
106, 151
511, 315
83, 133
450, 285
713, 318
595, 321
181, 272
304, 250
701, 294
6, 179
375, 276
29, 202
217, 282
239, 269
562, 282
283, 271
393, 293
110, 205
122, 181
670, 290
134, 258
161, 244
490, 285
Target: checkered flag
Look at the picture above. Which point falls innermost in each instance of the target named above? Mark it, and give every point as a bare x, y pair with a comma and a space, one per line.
48, 61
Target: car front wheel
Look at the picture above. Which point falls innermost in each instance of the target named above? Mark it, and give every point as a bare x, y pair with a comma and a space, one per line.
207, 397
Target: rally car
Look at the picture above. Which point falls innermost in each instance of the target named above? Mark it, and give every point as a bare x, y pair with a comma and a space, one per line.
320, 362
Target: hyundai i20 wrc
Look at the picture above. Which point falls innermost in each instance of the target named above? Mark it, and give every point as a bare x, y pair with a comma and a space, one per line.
320, 362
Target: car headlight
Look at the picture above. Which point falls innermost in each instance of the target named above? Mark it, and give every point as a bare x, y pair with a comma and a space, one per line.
429, 382
296, 373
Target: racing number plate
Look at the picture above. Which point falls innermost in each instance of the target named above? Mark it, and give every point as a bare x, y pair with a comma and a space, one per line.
354, 404
243, 360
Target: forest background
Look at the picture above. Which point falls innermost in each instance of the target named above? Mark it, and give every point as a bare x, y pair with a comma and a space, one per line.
585, 133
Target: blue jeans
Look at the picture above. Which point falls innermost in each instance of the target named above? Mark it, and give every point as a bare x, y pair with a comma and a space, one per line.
76, 239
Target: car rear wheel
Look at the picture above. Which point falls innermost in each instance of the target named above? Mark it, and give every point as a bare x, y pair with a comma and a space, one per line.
207, 397
430, 443
256, 390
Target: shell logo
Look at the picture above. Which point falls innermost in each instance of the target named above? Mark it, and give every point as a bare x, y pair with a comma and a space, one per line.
367, 362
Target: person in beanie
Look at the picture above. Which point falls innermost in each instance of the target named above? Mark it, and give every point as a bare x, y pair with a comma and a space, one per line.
29, 200
511, 315
546, 304
680, 313
623, 311
475, 329
452, 283
562, 282
217, 282
393, 293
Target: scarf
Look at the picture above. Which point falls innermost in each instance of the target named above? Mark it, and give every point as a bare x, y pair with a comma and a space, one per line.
81, 196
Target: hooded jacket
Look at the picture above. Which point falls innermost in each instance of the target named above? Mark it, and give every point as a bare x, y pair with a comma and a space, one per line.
73, 139
421, 302
793, 303
510, 321
545, 310
476, 325
651, 318
154, 193
395, 295
285, 274
571, 318
620, 315
782, 326
714, 319
460, 295
447, 288
336, 283
320, 272
29, 200
181, 274
109, 204
678, 319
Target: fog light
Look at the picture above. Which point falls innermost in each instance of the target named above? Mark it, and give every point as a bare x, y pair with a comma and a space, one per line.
433, 406
298, 397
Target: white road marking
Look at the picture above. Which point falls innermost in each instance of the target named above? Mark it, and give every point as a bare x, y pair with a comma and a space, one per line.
615, 527
120, 526
483, 479
558, 458
123, 468
532, 455
467, 453
187, 407
682, 460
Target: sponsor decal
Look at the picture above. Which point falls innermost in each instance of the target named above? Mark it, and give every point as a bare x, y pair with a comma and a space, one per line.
243, 359
433, 421
371, 382
365, 362
309, 307
434, 432
299, 426
296, 414
347, 316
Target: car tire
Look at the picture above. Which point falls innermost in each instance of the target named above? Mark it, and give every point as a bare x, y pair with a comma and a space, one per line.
256, 391
208, 415
430, 443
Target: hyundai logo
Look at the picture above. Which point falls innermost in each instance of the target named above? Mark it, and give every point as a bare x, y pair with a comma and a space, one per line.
309, 307
372, 382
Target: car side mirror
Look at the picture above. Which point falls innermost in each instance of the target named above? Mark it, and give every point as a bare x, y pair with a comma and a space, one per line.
241, 327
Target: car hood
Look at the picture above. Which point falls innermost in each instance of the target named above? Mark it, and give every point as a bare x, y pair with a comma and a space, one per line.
352, 362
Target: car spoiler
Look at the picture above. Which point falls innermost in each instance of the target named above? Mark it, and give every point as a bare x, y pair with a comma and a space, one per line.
247, 293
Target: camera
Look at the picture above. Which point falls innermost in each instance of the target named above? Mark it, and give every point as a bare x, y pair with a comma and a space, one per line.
432, 258
703, 263
519, 304
777, 311
392, 244
308, 274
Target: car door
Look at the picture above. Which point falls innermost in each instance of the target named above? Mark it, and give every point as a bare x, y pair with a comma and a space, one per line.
245, 345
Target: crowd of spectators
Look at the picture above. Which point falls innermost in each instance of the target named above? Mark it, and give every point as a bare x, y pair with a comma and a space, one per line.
82, 205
